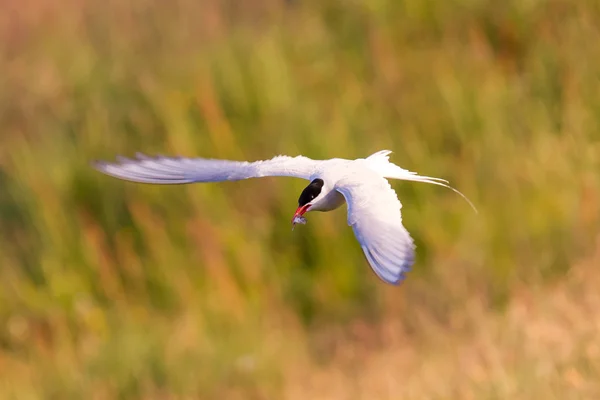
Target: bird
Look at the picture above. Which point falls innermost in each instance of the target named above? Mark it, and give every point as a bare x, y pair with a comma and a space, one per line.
373, 208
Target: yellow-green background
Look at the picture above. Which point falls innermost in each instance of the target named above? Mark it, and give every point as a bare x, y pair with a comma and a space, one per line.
115, 290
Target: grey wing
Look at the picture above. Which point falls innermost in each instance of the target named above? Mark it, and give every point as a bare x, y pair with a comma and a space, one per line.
179, 170
374, 215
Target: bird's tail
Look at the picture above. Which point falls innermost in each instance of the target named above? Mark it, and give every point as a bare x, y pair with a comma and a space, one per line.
380, 162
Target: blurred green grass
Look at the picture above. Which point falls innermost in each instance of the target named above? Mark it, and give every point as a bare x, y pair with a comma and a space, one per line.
133, 291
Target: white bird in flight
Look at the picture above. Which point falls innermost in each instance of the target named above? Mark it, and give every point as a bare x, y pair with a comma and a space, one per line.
373, 207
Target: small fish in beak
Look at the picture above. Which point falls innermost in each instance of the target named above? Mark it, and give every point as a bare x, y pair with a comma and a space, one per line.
298, 220
298, 215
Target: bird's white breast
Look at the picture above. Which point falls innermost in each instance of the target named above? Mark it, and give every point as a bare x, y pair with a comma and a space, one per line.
331, 201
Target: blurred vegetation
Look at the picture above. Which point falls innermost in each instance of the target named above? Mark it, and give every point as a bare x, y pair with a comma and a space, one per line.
115, 290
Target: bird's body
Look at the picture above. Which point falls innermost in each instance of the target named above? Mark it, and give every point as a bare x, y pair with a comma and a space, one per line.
373, 207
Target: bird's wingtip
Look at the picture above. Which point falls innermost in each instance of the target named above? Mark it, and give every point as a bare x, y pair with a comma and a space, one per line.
97, 164
142, 156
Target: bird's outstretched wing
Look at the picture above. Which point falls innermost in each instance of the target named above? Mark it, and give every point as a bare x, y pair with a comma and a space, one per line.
179, 170
374, 215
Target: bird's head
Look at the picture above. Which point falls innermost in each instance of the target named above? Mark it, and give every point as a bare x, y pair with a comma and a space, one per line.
309, 198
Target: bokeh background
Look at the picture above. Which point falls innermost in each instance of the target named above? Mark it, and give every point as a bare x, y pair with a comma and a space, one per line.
116, 290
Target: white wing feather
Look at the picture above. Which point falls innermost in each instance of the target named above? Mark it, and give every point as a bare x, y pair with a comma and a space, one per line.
374, 215
179, 170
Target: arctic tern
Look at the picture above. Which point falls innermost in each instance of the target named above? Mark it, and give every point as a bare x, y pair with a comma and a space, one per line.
373, 207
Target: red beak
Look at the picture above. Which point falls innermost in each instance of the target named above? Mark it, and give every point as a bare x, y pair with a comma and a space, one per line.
300, 211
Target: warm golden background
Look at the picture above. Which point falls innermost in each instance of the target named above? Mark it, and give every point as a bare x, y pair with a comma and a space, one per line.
112, 290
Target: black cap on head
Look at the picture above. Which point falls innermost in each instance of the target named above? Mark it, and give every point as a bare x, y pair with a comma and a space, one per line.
310, 192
